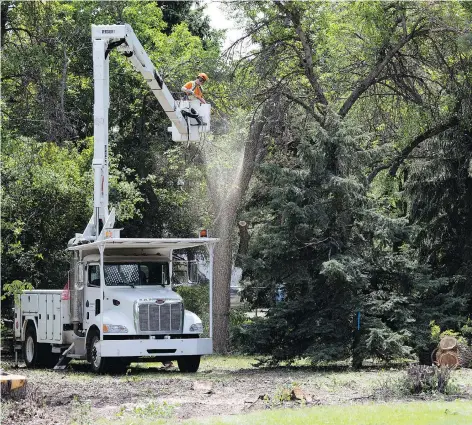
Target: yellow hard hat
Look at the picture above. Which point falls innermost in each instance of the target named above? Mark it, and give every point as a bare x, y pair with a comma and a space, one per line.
203, 76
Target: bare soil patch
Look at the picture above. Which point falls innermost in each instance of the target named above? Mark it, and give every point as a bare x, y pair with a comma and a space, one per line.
222, 386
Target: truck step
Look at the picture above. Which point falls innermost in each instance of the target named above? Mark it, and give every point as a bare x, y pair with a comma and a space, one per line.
62, 363
58, 348
75, 356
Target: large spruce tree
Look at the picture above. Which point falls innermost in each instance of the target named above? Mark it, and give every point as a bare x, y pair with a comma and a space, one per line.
331, 228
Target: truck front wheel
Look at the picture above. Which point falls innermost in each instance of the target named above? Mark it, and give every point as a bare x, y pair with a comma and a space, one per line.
98, 363
188, 364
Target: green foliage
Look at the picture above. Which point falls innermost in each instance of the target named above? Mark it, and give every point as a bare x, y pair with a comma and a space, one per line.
196, 298
43, 195
14, 289
81, 411
461, 336
466, 331
315, 241
435, 332
47, 199
152, 409
335, 244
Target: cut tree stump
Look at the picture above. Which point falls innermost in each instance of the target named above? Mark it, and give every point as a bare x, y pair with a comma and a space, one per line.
12, 385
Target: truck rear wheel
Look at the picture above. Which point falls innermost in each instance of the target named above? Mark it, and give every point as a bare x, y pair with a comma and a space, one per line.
188, 364
31, 347
36, 354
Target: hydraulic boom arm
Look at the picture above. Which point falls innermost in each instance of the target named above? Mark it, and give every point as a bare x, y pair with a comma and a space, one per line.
123, 38
189, 119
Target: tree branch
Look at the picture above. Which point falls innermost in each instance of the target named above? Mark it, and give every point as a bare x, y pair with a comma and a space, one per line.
310, 110
307, 61
18, 29
244, 37
379, 67
395, 163
452, 122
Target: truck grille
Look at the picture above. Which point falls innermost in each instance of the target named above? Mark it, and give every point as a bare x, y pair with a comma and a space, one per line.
165, 317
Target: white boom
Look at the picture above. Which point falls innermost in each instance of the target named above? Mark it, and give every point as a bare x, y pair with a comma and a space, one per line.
190, 119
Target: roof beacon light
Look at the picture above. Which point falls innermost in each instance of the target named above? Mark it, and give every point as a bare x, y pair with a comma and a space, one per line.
203, 233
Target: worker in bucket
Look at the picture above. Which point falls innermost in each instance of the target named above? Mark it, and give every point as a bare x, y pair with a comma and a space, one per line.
193, 89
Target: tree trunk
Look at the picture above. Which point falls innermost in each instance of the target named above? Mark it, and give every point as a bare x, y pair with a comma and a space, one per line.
221, 283
244, 237
226, 213
223, 263
4, 20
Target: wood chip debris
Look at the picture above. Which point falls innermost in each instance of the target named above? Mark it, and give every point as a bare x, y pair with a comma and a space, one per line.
203, 387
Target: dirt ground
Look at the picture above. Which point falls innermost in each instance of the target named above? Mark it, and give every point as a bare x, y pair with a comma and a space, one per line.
222, 386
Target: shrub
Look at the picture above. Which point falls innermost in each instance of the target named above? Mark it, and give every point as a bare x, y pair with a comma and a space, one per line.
428, 379
196, 298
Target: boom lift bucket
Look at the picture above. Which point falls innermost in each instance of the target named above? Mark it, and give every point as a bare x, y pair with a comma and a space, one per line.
123, 39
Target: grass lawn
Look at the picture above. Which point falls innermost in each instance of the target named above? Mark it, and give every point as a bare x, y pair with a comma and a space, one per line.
417, 413
457, 412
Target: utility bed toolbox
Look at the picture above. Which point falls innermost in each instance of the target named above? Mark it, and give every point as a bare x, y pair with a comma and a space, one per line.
29, 303
50, 311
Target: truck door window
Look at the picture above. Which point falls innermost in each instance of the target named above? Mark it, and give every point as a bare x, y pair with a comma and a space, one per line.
94, 275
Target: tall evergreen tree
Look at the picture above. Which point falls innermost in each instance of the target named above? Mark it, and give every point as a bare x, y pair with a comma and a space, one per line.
338, 246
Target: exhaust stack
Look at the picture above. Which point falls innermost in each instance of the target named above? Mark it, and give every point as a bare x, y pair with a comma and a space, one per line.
76, 287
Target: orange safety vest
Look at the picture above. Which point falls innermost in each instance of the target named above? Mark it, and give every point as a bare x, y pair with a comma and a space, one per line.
197, 90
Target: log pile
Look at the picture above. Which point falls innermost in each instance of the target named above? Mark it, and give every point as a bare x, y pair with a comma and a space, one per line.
452, 353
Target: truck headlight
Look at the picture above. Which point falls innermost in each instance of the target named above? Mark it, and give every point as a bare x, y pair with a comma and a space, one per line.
115, 329
196, 327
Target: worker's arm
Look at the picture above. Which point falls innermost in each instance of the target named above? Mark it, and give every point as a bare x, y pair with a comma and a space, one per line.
187, 88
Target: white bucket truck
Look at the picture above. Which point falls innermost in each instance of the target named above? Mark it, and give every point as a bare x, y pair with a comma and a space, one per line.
119, 306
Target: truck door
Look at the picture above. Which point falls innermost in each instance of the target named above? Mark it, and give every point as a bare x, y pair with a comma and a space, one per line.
92, 303
49, 316
42, 322
57, 318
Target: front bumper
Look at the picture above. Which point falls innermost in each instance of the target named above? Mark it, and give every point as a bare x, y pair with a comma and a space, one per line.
156, 347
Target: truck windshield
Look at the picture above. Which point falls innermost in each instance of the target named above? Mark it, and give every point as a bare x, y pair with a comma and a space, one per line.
136, 274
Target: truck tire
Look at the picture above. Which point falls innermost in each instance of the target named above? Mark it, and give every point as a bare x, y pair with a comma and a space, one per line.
188, 364
36, 354
31, 347
98, 364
